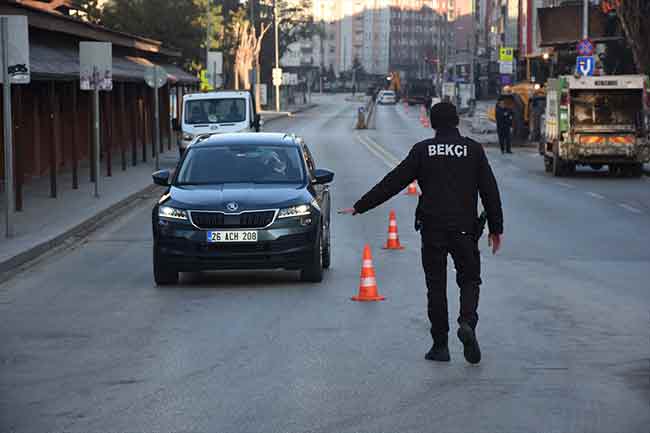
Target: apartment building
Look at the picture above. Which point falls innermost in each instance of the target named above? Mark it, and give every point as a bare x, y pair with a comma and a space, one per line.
383, 35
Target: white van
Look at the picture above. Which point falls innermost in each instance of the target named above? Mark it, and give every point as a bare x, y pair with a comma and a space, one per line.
220, 112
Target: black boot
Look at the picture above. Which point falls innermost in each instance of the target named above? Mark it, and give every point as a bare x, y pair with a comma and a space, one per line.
439, 351
467, 336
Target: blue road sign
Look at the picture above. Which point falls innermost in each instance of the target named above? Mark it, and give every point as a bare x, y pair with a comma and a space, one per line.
585, 47
585, 65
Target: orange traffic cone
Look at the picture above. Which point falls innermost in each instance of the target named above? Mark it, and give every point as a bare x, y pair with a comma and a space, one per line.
412, 189
393, 237
368, 285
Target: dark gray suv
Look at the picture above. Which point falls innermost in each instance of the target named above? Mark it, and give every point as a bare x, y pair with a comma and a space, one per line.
243, 201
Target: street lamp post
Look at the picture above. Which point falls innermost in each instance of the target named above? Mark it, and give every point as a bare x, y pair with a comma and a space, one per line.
207, 34
277, 53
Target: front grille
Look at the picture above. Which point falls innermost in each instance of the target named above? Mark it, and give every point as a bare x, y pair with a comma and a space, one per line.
218, 220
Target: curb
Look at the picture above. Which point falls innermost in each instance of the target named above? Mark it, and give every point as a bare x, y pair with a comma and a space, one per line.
13, 265
287, 114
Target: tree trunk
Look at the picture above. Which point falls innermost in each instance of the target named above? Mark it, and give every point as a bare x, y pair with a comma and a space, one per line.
634, 16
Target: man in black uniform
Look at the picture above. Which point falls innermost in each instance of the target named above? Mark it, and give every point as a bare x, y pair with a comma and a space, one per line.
452, 172
503, 115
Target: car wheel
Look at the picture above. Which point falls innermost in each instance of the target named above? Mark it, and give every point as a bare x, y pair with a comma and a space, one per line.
636, 170
313, 272
163, 275
327, 248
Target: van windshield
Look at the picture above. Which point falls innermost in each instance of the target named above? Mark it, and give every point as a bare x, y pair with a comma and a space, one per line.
218, 110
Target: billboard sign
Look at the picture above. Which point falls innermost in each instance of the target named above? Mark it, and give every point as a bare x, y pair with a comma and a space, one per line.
96, 66
18, 44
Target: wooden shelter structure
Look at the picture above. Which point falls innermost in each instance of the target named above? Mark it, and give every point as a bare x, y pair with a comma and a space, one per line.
52, 116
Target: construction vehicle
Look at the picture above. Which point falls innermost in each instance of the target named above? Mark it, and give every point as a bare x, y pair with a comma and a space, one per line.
419, 92
524, 100
597, 121
394, 82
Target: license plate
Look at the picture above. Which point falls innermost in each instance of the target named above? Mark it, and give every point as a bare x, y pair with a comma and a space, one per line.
232, 236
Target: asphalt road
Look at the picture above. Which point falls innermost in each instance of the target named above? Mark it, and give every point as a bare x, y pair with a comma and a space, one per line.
88, 343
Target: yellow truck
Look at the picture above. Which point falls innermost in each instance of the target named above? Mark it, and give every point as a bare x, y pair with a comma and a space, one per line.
526, 101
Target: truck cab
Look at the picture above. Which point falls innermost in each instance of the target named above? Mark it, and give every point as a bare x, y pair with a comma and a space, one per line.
210, 113
597, 121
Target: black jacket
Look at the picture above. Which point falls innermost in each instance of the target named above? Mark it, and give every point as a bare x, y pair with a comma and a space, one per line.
452, 172
504, 117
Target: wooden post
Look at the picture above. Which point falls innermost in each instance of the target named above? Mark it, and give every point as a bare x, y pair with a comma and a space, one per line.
75, 136
54, 137
142, 120
36, 131
133, 123
122, 128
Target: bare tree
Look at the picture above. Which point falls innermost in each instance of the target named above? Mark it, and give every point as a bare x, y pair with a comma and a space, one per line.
248, 52
634, 16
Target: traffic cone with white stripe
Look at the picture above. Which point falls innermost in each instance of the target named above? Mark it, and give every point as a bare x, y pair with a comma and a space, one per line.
412, 189
393, 237
368, 284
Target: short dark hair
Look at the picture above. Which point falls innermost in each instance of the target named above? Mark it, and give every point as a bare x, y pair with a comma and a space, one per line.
443, 115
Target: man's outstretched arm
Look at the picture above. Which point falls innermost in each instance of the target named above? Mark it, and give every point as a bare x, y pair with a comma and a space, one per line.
390, 185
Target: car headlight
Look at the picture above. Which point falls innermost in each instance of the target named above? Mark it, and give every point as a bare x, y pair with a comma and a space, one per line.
188, 136
172, 213
295, 211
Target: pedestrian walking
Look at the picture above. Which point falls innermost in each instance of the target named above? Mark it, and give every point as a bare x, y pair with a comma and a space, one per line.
503, 116
452, 171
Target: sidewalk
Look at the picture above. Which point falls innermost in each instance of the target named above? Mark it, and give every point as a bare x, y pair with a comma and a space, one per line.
45, 223
48, 222
269, 116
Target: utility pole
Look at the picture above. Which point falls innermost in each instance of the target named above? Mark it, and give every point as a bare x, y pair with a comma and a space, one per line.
207, 35
8, 126
277, 53
256, 73
585, 19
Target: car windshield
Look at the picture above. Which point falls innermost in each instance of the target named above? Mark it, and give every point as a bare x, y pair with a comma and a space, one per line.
241, 164
218, 110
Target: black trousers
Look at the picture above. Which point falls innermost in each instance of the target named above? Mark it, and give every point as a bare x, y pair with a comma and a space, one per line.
463, 247
505, 140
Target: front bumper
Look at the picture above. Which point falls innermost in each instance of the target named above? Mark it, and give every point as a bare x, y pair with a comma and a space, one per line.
283, 245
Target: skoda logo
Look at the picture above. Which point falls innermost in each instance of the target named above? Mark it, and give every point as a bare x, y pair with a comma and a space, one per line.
232, 206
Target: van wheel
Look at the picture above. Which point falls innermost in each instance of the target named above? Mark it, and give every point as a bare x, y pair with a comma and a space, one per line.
548, 164
558, 166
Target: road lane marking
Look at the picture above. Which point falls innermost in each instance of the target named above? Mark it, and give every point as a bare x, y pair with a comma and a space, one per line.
630, 208
378, 150
566, 185
596, 195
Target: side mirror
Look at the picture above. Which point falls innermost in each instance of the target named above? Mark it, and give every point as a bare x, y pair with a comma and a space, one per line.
322, 176
161, 177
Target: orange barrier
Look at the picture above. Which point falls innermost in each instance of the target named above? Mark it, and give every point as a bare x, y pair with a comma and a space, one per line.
393, 242
368, 284
412, 189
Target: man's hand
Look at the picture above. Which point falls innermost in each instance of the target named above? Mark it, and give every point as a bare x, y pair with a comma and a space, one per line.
347, 211
494, 241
